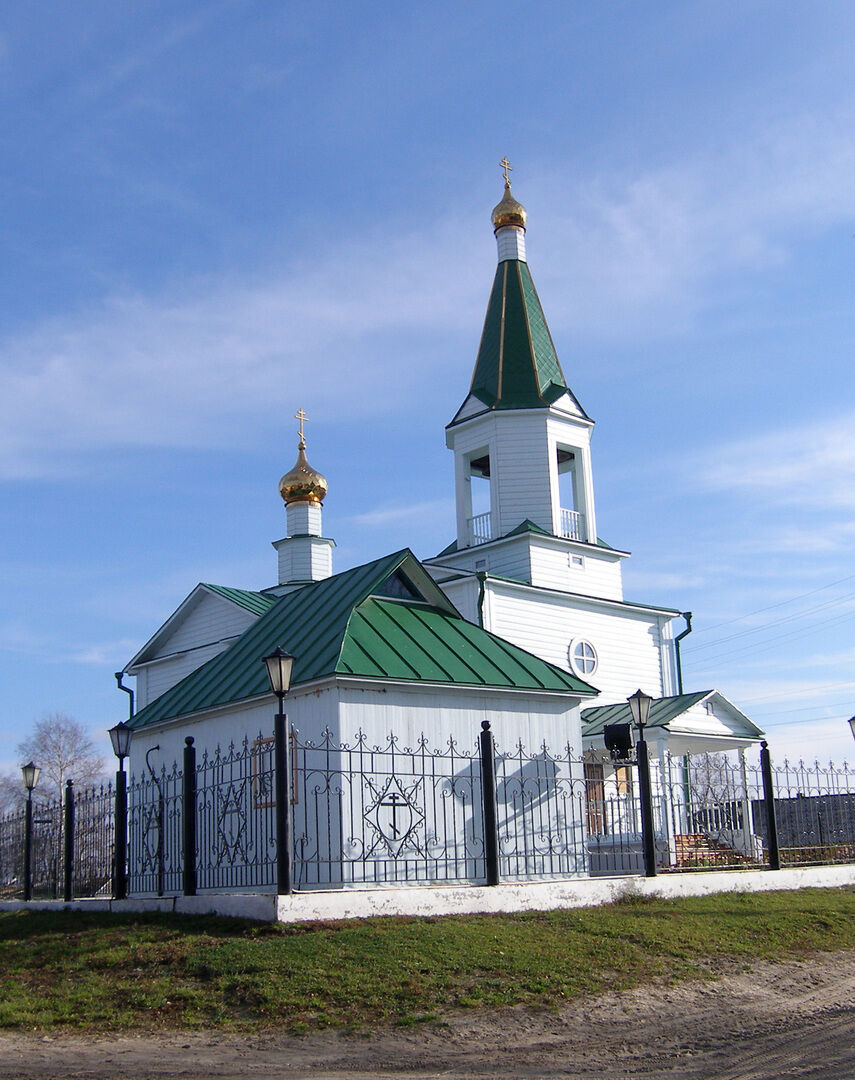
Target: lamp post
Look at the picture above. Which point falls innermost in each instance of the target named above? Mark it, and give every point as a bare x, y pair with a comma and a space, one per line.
279, 666
120, 737
639, 707
852, 725
30, 773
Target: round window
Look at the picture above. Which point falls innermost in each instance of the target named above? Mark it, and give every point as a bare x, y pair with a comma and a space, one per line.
583, 657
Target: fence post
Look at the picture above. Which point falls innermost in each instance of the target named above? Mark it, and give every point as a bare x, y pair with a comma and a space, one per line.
769, 801
68, 843
188, 816
28, 848
488, 800
284, 842
646, 799
120, 837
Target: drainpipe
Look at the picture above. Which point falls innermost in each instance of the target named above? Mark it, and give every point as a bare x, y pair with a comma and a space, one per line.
687, 777
119, 676
687, 615
482, 579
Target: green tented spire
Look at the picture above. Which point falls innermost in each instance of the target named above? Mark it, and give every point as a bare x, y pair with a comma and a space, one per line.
517, 366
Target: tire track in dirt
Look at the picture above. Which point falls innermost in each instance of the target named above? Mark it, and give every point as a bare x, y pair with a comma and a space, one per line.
773, 1020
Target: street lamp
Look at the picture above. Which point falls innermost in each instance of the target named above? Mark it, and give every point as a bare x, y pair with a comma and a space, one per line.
120, 737
852, 725
639, 707
279, 665
30, 773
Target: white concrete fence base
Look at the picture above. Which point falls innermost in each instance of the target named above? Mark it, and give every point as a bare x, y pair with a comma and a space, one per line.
458, 900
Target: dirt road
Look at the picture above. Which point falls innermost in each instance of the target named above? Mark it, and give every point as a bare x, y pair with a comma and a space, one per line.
792, 1019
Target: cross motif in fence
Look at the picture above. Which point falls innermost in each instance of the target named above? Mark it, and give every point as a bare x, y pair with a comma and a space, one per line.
394, 814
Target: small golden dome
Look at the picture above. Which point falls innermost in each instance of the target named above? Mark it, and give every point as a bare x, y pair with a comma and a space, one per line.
509, 211
302, 483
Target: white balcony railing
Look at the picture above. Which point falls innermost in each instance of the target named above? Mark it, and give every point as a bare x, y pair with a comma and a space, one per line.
573, 525
480, 529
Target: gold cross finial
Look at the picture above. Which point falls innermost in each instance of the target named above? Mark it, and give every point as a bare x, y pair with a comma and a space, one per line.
301, 416
505, 165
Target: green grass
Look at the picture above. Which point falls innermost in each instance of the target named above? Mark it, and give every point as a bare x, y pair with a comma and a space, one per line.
98, 972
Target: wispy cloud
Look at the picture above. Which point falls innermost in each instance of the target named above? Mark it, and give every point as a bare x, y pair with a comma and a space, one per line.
633, 254
629, 251
812, 467
198, 369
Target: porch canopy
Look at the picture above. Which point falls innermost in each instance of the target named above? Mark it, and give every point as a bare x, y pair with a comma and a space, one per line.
699, 723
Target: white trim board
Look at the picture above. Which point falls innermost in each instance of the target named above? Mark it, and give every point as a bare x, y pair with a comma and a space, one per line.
436, 900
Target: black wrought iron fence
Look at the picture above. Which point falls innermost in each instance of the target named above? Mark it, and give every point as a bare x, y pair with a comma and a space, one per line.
90, 860
155, 849
381, 814
46, 857
814, 813
386, 814
542, 805
710, 819
236, 839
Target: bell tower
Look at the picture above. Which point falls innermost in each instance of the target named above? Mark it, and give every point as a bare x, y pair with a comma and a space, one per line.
521, 439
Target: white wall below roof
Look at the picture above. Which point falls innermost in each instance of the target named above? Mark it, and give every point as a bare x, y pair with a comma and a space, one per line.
552, 567
627, 642
347, 707
463, 593
209, 626
157, 677
442, 712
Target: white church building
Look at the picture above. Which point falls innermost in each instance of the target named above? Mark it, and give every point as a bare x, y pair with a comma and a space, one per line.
520, 622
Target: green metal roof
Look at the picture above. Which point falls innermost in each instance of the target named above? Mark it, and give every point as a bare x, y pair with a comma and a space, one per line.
341, 626
662, 712
414, 642
255, 602
517, 366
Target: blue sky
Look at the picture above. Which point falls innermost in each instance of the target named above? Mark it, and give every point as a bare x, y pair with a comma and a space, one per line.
215, 213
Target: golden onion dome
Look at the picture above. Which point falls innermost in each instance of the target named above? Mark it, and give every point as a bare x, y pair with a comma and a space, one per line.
302, 483
509, 211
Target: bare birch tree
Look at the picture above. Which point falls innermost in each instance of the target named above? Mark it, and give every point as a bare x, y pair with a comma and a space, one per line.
63, 751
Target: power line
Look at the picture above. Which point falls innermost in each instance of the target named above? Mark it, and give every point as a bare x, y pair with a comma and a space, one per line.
850, 703
776, 622
770, 607
765, 646
808, 690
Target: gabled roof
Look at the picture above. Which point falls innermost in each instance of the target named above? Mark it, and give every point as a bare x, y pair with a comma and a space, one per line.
517, 366
412, 642
354, 624
662, 712
254, 602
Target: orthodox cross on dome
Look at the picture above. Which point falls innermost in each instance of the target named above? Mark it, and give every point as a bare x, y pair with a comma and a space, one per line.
506, 167
301, 416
